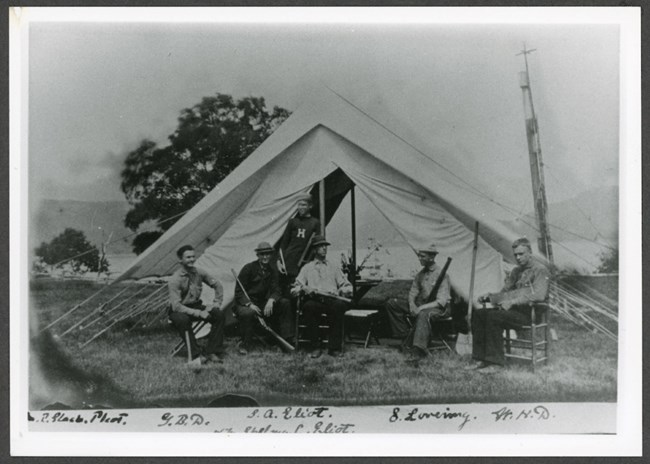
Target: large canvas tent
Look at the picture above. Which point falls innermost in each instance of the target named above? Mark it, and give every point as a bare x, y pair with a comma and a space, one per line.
329, 139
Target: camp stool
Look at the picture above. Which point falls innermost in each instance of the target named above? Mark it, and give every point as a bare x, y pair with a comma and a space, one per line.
367, 319
440, 328
532, 342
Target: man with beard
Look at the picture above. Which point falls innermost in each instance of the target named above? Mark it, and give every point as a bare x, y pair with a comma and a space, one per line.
260, 280
320, 281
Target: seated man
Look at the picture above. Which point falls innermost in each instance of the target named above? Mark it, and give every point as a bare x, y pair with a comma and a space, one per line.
413, 319
527, 283
321, 282
261, 282
185, 287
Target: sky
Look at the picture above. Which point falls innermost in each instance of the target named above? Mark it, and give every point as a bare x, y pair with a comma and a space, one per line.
97, 89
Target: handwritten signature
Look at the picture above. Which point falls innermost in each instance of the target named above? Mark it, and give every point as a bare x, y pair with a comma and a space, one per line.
98, 417
415, 415
505, 414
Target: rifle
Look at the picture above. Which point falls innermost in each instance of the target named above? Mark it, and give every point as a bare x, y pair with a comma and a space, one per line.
331, 295
434, 291
261, 320
430, 299
301, 261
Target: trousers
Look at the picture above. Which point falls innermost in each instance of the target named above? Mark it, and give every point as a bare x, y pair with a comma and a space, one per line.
401, 321
280, 320
183, 323
487, 331
334, 309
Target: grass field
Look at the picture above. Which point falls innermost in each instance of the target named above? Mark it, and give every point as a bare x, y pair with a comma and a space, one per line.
133, 368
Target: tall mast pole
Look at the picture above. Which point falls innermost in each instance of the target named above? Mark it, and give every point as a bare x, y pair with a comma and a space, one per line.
536, 162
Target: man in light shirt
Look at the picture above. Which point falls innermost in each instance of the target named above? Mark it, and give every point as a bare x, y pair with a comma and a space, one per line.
185, 287
526, 284
321, 281
422, 308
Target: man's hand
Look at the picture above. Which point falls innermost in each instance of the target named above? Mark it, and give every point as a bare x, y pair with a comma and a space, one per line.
414, 310
204, 314
506, 305
256, 308
346, 292
268, 309
484, 298
295, 291
308, 290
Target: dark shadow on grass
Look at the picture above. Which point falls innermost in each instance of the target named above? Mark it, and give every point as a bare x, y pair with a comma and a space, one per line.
81, 389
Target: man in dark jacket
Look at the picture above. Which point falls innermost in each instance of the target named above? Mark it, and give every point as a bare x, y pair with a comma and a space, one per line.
260, 280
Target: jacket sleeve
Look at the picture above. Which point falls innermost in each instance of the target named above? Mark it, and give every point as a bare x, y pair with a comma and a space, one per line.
274, 290
535, 292
342, 283
215, 285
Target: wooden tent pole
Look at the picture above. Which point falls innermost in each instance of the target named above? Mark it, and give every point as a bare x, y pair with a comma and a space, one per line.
353, 268
321, 205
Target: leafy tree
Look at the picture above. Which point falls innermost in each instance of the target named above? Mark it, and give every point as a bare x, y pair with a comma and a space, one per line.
608, 261
212, 138
71, 248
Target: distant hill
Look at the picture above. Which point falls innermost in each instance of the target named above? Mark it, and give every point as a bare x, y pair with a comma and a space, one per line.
591, 215
97, 220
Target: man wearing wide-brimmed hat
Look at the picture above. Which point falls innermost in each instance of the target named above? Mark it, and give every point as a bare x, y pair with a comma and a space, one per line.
316, 280
261, 282
422, 307
296, 237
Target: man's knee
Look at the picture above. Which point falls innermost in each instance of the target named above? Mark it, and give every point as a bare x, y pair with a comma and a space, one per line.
217, 316
392, 304
180, 320
283, 305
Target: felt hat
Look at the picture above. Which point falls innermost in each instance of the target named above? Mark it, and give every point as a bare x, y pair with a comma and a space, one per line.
304, 197
319, 240
264, 247
429, 249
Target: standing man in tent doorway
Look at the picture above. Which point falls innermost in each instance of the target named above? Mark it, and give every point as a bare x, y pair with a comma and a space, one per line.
527, 283
295, 241
185, 306
428, 300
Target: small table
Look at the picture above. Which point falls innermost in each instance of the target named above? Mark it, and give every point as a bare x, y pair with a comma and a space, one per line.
367, 319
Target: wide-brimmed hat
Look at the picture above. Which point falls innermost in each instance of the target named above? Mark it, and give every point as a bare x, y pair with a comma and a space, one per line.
319, 240
264, 247
429, 249
304, 197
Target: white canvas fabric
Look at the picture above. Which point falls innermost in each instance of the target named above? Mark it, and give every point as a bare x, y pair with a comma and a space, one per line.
417, 195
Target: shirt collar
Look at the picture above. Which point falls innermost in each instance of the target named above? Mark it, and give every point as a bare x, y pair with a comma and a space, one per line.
184, 272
